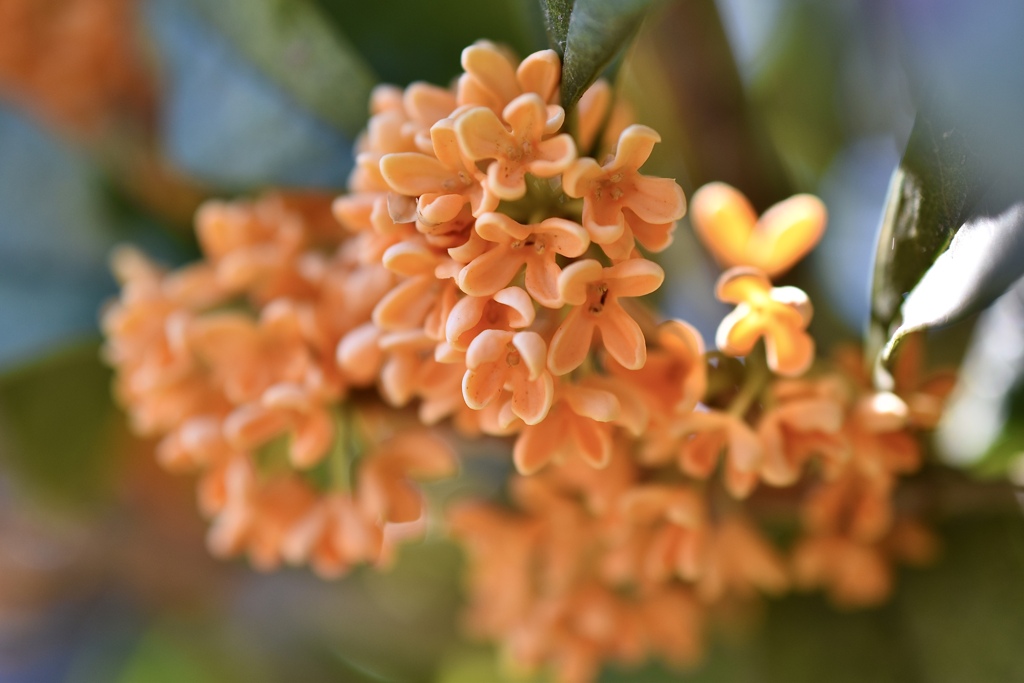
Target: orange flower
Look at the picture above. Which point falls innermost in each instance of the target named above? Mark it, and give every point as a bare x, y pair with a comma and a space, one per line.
516, 152
618, 201
535, 246
727, 225
739, 560
855, 574
674, 378
576, 426
925, 395
779, 314
492, 78
509, 308
678, 544
801, 426
594, 293
705, 435
384, 487
442, 185
497, 358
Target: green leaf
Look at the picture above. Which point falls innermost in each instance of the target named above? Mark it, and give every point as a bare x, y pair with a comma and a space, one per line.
556, 20
58, 424
293, 43
413, 40
598, 30
983, 425
964, 617
949, 243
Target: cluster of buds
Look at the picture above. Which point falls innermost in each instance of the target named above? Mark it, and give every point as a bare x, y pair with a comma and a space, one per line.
75, 62
484, 268
231, 364
628, 557
516, 252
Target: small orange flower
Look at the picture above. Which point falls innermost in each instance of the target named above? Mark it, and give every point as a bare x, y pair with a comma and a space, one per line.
674, 378
516, 152
509, 308
442, 185
594, 293
497, 358
578, 425
726, 223
706, 435
385, 491
535, 246
779, 314
798, 429
739, 560
618, 201
492, 78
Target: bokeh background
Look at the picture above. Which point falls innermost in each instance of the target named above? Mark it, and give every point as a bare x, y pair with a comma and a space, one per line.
118, 117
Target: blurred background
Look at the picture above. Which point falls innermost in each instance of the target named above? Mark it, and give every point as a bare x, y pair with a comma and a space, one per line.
118, 117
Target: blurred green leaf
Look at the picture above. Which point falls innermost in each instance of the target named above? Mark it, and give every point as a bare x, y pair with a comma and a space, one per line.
983, 425
598, 30
949, 244
413, 40
54, 239
963, 619
556, 20
297, 47
57, 425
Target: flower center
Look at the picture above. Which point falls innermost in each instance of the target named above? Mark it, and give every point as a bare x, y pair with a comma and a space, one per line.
512, 356
597, 297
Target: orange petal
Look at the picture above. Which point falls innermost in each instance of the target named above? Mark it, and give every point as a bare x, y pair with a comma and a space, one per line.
567, 238
482, 135
533, 352
573, 282
491, 271
635, 277
593, 441
463, 317
535, 447
497, 227
539, 73
527, 115
723, 220
656, 200
311, 440
739, 331
635, 145
596, 404
571, 343
592, 108
490, 346
656, 237
413, 174
481, 386
521, 312
554, 155
789, 351
532, 398
622, 336
579, 178
542, 281
492, 68
738, 285
787, 231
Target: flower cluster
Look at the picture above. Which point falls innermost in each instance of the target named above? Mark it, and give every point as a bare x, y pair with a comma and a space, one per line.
76, 62
231, 362
626, 557
516, 253
485, 268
